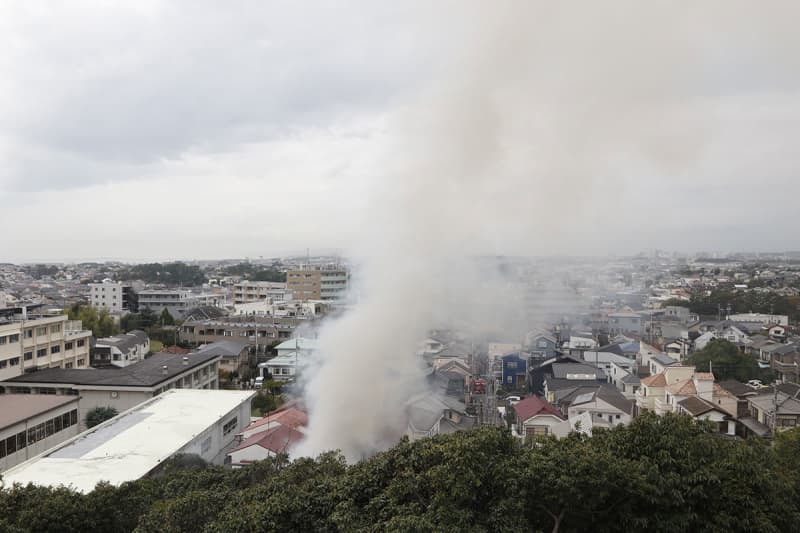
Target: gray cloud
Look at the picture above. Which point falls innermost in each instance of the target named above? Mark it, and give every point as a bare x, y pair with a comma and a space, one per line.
641, 121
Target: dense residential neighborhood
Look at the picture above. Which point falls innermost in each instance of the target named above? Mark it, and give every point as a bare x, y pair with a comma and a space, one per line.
416, 267
636, 338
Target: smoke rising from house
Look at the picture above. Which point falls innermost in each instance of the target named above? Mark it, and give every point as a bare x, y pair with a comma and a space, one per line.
523, 147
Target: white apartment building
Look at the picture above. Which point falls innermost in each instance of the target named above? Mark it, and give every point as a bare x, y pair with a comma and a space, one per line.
34, 342
257, 291
176, 301
113, 296
760, 318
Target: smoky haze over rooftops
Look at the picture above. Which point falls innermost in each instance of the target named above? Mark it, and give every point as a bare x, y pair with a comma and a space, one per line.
616, 113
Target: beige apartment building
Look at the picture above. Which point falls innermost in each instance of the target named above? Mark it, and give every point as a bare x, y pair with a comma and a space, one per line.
31, 342
317, 284
257, 291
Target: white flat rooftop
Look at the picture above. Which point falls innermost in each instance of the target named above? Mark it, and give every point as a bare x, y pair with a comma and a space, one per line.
131, 444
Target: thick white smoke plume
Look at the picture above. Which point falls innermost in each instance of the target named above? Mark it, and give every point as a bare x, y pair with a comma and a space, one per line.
540, 116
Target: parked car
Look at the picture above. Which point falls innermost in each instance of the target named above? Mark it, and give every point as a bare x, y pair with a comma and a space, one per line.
512, 399
755, 383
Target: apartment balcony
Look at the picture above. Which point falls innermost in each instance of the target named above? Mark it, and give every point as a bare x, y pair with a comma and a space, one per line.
662, 406
643, 402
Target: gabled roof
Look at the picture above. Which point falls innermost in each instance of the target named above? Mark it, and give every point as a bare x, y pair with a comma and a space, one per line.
685, 387
299, 343
224, 348
737, 388
277, 439
697, 406
664, 359
534, 405
631, 379
656, 380
607, 393
565, 370
124, 341
292, 417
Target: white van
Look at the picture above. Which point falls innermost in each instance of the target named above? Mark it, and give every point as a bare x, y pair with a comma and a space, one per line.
259, 382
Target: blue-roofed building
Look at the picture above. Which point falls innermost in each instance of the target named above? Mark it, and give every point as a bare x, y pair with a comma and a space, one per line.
515, 370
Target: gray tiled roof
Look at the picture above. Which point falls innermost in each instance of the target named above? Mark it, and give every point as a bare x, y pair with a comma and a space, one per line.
147, 373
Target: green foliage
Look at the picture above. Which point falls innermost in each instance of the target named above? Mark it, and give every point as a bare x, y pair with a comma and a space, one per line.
39, 271
177, 273
726, 361
166, 318
100, 322
98, 415
658, 474
264, 403
743, 302
143, 320
253, 272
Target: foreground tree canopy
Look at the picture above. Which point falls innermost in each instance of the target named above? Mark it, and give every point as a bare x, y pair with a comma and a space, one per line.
658, 474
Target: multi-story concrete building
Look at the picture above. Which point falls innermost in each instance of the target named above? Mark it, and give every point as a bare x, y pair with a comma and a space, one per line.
113, 296
31, 342
762, 319
256, 291
255, 331
121, 388
30, 425
317, 284
176, 301
138, 442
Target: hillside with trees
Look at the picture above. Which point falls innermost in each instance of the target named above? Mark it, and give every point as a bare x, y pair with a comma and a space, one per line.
177, 273
659, 474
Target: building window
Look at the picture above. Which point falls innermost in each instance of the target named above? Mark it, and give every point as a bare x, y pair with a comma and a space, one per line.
41, 352
230, 425
14, 361
81, 362
67, 346
81, 342
55, 349
28, 356
511, 364
29, 333
41, 331
3, 364
13, 338
55, 329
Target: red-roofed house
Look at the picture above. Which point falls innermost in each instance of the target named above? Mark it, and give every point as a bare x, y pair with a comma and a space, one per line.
536, 416
269, 443
290, 416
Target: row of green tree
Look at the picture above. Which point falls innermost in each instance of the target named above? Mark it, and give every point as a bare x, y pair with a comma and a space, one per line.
253, 272
740, 302
99, 321
177, 273
659, 474
726, 361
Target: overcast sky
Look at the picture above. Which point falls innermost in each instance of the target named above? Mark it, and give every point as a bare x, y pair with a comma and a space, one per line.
153, 130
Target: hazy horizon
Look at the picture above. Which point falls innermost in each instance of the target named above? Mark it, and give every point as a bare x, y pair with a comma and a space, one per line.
135, 131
